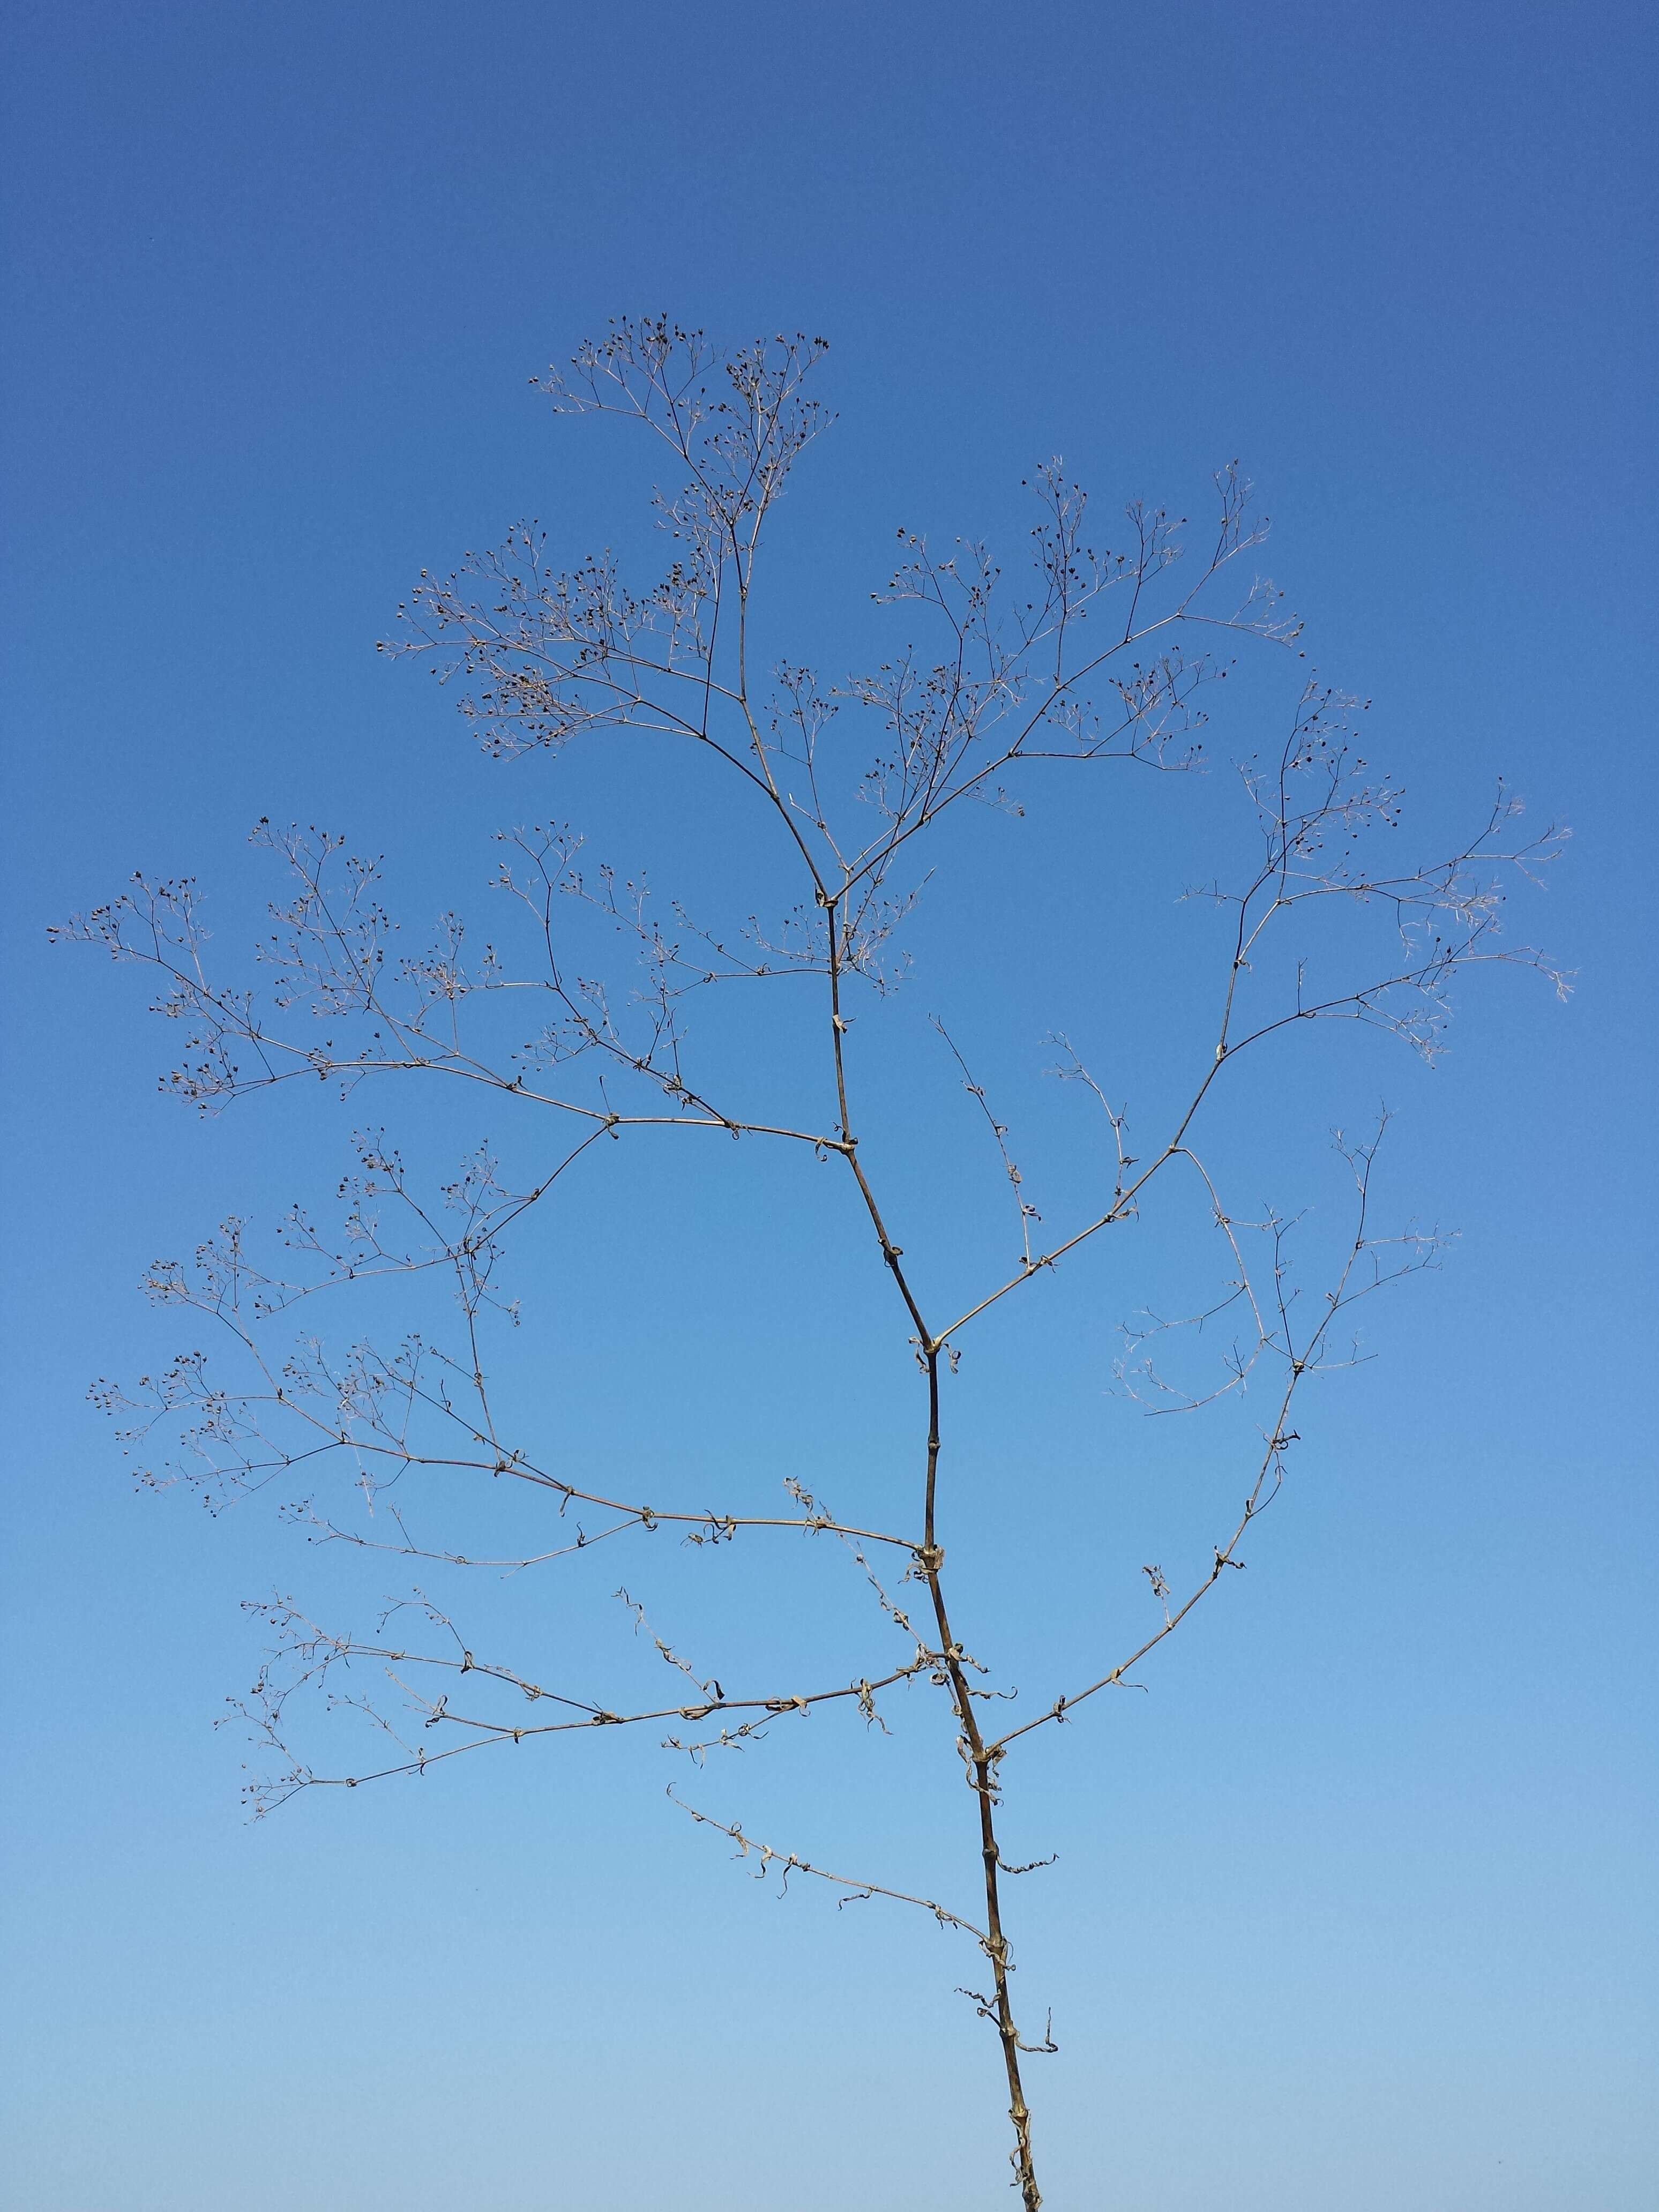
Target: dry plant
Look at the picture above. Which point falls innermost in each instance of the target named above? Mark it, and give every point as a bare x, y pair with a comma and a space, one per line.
1105, 659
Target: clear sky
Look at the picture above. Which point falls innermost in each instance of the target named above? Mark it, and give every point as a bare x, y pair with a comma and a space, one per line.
1355, 1907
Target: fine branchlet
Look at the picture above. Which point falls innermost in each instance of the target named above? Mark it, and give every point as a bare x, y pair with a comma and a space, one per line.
578, 1006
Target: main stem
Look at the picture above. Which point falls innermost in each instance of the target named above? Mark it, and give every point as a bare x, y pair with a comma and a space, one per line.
980, 1763
979, 1760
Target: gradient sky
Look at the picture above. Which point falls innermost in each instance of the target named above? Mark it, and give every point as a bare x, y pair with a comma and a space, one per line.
1354, 1908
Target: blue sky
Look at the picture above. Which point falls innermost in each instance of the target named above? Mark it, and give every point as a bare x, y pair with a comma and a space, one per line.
1350, 1907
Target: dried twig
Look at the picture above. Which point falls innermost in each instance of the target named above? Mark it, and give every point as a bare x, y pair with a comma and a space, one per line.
1103, 658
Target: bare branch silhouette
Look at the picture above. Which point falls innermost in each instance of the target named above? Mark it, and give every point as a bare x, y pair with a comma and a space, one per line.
395, 1445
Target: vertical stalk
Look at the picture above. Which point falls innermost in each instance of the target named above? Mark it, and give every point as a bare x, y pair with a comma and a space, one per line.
981, 1761
979, 1758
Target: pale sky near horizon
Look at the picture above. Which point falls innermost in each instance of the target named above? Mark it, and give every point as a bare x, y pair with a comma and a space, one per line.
1355, 1907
